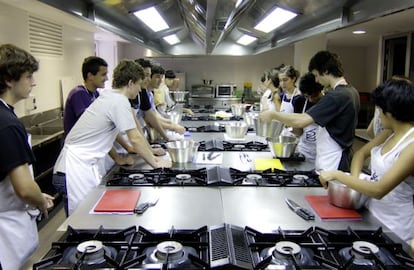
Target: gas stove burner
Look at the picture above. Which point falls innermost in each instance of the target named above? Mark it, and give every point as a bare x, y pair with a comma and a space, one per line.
300, 178
285, 249
183, 176
239, 146
90, 253
361, 253
171, 252
253, 178
136, 176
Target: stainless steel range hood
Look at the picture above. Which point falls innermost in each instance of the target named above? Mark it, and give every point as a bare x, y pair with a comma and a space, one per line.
213, 26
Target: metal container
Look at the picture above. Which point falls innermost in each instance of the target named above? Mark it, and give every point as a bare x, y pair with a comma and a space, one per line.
182, 151
282, 146
238, 109
153, 135
267, 129
236, 130
342, 196
179, 96
249, 116
175, 116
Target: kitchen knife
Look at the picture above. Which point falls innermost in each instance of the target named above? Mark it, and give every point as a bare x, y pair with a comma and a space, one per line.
304, 213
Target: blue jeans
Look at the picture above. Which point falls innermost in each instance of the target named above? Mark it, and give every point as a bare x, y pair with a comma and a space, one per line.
59, 182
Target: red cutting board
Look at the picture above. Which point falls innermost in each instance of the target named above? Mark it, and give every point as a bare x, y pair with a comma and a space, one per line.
326, 210
118, 200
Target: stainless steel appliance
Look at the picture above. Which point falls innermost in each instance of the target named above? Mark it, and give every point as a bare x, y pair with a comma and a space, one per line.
201, 90
226, 90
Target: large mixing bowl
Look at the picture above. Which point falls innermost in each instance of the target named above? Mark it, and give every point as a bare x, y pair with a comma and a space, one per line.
267, 129
182, 151
249, 116
236, 130
179, 96
342, 196
175, 116
282, 146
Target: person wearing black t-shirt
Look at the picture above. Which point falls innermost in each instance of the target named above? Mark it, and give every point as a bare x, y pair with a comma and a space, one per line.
20, 196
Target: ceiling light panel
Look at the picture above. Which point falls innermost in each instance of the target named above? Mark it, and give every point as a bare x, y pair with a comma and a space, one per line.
278, 17
246, 40
152, 19
172, 39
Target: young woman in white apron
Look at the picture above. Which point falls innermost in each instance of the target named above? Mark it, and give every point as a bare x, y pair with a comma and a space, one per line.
270, 99
391, 185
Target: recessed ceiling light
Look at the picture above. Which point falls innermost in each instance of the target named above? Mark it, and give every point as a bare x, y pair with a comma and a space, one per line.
246, 40
172, 39
275, 19
359, 32
152, 19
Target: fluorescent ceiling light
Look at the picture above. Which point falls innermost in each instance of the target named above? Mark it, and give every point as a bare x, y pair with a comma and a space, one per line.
358, 32
152, 19
275, 19
246, 40
172, 39
238, 3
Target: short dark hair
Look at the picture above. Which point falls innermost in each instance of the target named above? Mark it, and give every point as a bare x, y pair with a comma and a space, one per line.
396, 96
157, 69
91, 65
125, 71
308, 85
169, 74
291, 72
143, 62
13, 63
326, 62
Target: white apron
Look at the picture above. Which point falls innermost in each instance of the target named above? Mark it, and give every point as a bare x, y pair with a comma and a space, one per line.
266, 101
82, 175
307, 142
287, 107
328, 152
395, 209
18, 229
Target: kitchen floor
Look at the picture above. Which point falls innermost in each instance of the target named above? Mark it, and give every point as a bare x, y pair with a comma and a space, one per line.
47, 235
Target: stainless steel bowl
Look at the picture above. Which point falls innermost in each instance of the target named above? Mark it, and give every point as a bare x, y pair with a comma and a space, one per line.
267, 129
179, 96
175, 116
282, 146
238, 109
249, 116
182, 151
236, 130
342, 196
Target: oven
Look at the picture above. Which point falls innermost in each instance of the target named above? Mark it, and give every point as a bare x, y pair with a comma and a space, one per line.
206, 91
225, 90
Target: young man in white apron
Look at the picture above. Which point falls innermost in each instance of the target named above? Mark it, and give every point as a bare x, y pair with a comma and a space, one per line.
391, 186
20, 196
336, 114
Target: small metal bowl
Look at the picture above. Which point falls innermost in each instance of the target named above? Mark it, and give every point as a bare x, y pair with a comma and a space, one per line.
236, 130
182, 151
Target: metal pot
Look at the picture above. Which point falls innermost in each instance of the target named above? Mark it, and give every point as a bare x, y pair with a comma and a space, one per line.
249, 116
182, 151
179, 96
236, 129
267, 129
342, 196
282, 146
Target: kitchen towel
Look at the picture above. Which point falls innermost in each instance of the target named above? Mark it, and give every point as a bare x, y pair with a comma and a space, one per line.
118, 201
261, 164
327, 211
202, 158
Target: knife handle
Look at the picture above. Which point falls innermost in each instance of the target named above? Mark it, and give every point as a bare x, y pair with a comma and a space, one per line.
305, 214
141, 208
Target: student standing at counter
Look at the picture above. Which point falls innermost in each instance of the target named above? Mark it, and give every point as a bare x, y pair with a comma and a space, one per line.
94, 134
19, 193
270, 99
391, 185
336, 114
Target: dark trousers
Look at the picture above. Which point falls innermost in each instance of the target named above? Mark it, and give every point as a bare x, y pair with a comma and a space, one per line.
59, 182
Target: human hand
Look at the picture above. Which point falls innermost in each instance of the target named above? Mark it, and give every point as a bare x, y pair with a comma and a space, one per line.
179, 129
158, 151
162, 163
326, 176
124, 160
189, 111
47, 205
266, 116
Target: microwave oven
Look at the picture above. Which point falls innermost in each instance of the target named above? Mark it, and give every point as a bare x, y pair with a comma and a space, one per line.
202, 90
225, 90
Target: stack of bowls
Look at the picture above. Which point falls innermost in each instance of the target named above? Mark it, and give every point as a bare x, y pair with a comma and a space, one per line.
282, 146
236, 130
267, 129
182, 151
342, 196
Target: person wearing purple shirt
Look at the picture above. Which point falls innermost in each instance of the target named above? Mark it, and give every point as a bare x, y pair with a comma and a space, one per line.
94, 72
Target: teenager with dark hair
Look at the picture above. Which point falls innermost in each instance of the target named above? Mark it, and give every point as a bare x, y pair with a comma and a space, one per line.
391, 185
20, 196
270, 99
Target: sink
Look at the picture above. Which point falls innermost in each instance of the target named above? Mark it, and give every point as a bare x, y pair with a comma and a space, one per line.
45, 130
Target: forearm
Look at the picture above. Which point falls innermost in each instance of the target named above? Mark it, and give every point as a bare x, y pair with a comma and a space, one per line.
151, 118
295, 120
142, 148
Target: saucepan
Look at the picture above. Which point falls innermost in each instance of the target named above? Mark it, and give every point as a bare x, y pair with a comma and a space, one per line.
182, 151
342, 196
